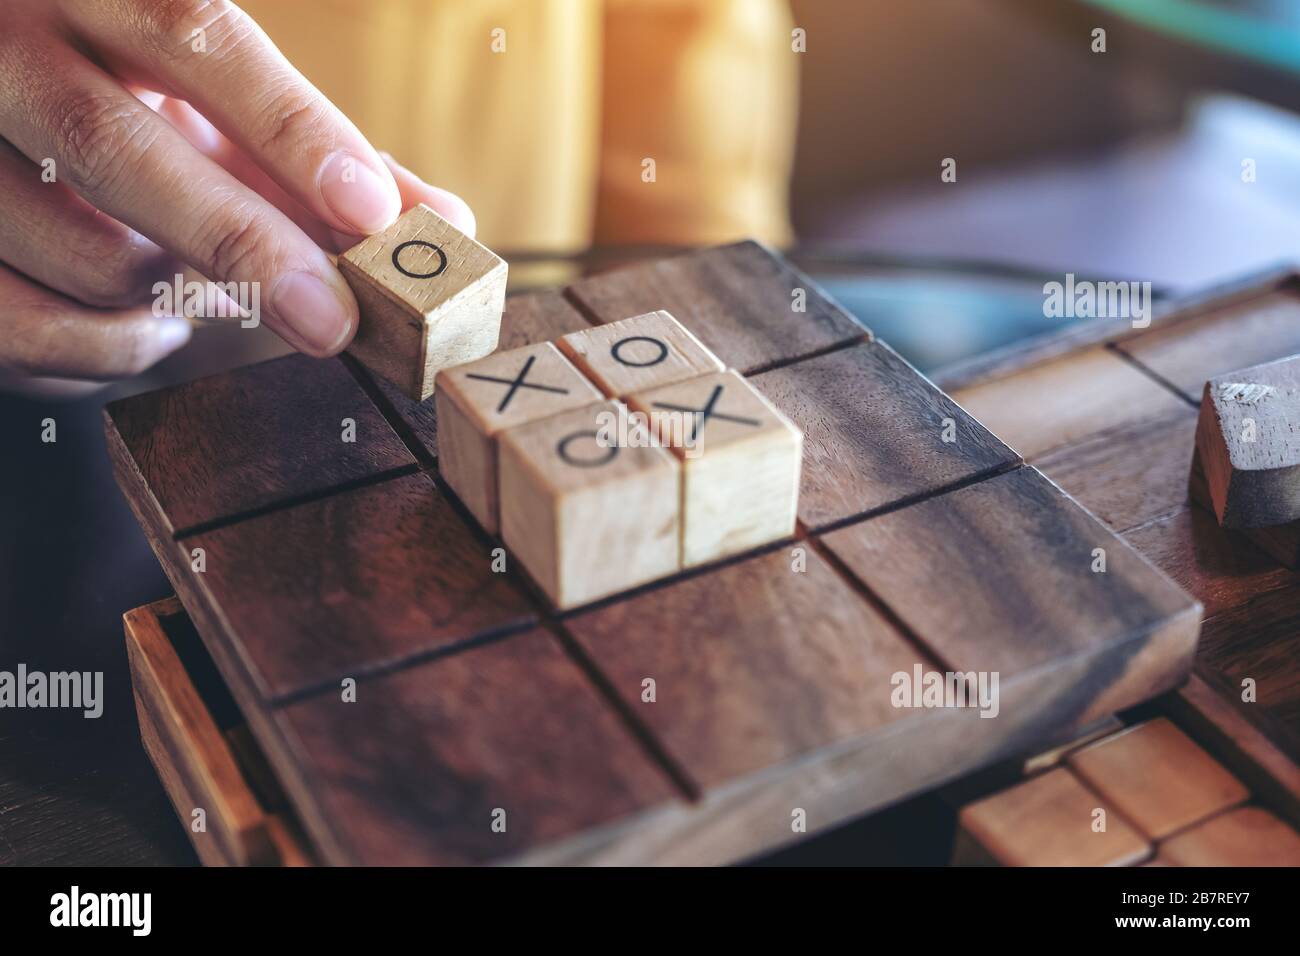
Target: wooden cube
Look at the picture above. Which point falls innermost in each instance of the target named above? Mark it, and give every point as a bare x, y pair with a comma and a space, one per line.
1248, 439
1160, 779
637, 354
587, 518
431, 297
1045, 821
477, 401
741, 461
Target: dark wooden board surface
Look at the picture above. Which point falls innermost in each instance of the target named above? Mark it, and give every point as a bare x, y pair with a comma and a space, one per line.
716, 641
1188, 354
354, 583
233, 443
1013, 556
749, 306
876, 433
424, 762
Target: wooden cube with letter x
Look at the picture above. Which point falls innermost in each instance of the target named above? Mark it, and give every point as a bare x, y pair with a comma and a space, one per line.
477, 401
430, 296
639, 353
586, 515
741, 461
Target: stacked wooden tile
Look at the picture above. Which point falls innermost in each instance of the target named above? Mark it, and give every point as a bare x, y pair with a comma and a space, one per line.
1147, 795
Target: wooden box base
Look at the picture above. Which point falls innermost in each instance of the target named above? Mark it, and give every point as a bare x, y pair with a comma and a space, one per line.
209, 763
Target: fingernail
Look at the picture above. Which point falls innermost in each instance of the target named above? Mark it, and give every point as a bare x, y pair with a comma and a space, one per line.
312, 311
364, 200
171, 333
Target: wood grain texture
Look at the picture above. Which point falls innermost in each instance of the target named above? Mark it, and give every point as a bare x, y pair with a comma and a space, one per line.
341, 586
874, 432
753, 664
252, 438
1129, 476
740, 473
1047, 821
188, 749
1249, 836
1220, 569
739, 299
639, 353
1066, 400
413, 771
1248, 444
430, 297
528, 320
1255, 641
1217, 340
1227, 726
587, 520
479, 400
1281, 542
1157, 777
1012, 556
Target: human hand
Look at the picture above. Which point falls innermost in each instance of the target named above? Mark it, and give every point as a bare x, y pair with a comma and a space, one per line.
141, 137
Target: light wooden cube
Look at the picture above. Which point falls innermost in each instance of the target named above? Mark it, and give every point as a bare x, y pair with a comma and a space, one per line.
741, 461
477, 401
1248, 441
637, 354
430, 296
587, 520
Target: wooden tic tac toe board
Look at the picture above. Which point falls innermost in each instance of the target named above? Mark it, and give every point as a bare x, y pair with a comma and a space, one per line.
924, 540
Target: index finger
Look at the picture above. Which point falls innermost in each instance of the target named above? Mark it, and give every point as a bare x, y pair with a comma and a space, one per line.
215, 56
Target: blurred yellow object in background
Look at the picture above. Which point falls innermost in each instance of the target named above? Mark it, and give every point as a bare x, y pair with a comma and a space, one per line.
542, 113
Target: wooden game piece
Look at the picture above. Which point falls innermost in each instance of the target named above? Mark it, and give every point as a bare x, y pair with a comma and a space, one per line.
1014, 556
477, 757
430, 297
585, 516
1048, 821
476, 402
337, 587
1157, 777
1248, 442
1281, 542
528, 320
637, 354
1052, 756
876, 432
1214, 341
740, 458
743, 301
1249, 836
1066, 400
